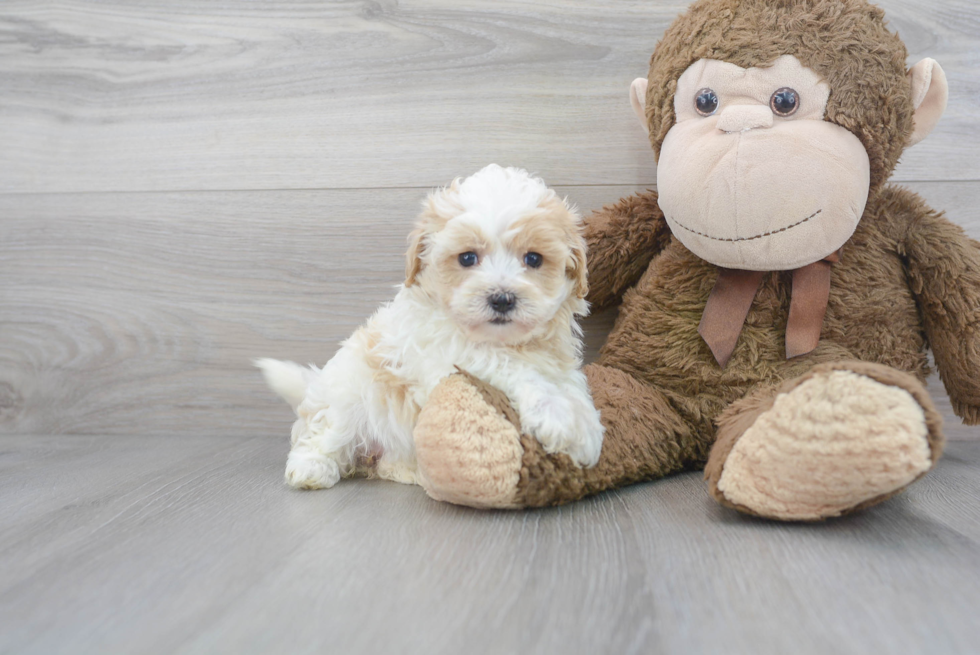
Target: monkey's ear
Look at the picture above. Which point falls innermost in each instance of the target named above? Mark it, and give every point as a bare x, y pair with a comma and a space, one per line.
638, 98
413, 258
930, 93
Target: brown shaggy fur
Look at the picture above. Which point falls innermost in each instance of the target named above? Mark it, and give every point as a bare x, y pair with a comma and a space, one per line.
908, 279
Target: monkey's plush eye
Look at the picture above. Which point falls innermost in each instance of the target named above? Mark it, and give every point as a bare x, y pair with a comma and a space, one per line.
784, 102
533, 259
706, 102
468, 259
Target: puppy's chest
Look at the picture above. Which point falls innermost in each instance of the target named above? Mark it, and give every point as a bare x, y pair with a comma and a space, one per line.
416, 365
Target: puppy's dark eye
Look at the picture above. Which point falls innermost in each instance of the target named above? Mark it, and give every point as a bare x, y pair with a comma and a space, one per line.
533, 259
468, 259
784, 102
706, 102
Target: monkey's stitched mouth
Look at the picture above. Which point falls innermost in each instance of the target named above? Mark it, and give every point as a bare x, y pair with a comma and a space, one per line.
758, 236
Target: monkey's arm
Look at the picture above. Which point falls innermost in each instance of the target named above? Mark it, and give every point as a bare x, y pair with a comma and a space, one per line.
622, 239
944, 274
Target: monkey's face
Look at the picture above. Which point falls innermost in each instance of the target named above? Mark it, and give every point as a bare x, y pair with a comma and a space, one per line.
751, 176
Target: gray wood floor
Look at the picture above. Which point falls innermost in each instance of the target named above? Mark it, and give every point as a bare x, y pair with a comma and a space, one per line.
191, 544
187, 185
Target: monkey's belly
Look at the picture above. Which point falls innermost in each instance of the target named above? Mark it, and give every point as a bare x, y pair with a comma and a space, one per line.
656, 338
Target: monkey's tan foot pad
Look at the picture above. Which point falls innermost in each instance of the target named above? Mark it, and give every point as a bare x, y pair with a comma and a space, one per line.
842, 437
468, 445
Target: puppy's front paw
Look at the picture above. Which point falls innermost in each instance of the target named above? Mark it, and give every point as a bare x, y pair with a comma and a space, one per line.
308, 470
589, 433
561, 426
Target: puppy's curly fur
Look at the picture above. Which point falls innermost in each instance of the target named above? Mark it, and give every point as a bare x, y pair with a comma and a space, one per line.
495, 278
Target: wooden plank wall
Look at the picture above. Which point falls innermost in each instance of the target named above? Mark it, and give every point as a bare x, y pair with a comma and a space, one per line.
187, 185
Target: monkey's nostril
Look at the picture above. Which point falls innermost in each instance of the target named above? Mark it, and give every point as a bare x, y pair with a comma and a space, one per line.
502, 302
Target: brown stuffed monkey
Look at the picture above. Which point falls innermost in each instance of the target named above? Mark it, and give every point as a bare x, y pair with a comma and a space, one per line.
777, 297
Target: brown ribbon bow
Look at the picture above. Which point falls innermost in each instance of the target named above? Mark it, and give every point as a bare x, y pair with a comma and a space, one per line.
732, 296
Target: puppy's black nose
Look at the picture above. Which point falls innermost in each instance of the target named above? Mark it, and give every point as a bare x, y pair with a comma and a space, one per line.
502, 302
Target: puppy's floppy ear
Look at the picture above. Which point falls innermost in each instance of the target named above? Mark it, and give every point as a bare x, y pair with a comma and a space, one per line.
576, 266
413, 258
437, 208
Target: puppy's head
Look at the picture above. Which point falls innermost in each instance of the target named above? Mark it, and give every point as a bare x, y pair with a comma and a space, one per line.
502, 253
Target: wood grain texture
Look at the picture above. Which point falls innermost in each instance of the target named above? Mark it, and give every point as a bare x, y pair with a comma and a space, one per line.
140, 313
139, 95
192, 544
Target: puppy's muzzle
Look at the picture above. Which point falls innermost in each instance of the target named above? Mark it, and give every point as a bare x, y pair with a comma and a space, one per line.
502, 303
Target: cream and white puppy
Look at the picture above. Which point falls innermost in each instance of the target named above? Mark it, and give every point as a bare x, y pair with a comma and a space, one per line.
495, 279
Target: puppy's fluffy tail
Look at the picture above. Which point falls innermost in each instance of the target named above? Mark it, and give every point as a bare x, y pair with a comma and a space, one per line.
287, 379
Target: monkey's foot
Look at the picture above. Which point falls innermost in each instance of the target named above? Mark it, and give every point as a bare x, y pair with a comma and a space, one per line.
842, 437
468, 445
